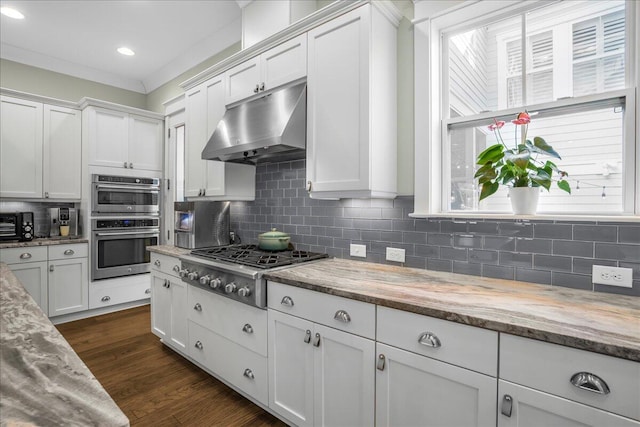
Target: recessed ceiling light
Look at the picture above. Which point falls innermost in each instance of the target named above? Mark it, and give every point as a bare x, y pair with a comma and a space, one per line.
126, 51
11, 13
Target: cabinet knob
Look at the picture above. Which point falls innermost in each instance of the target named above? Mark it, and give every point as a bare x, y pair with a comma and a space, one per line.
147, 291
590, 382
198, 345
428, 339
125, 165
249, 374
307, 336
157, 263
25, 255
197, 307
287, 301
309, 186
262, 86
51, 268
316, 340
130, 165
256, 89
507, 405
69, 252
247, 328
46, 194
105, 298
342, 316
176, 268
380, 363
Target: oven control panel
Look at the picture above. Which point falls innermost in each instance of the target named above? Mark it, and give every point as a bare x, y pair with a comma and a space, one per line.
102, 224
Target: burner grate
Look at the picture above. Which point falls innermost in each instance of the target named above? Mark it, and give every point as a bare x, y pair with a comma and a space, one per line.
253, 256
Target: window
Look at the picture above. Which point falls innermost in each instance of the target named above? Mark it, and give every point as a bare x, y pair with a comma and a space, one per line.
567, 64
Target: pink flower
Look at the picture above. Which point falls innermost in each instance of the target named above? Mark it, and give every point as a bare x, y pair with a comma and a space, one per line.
522, 119
496, 125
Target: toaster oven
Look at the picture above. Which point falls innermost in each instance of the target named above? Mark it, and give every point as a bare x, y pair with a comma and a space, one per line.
16, 226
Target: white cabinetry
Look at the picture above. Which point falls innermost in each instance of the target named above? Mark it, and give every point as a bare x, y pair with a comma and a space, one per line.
351, 106
563, 386
320, 375
282, 64
207, 178
56, 276
168, 303
418, 383
120, 139
40, 150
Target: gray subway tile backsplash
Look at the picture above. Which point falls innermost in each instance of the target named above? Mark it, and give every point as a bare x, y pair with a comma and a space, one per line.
558, 253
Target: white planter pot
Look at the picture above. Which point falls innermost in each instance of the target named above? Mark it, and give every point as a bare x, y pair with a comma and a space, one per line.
524, 200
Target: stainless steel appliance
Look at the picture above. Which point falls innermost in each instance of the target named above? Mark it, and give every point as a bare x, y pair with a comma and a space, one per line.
16, 226
201, 224
119, 245
124, 194
235, 271
64, 216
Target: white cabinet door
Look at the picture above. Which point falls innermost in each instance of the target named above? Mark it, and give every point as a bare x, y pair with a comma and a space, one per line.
524, 407
145, 143
284, 63
338, 103
414, 390
291, 368
195, 139
214, 172
68, 286
344, 379
242, 81
62, 163
160, 306
20, 148
108, 133
33, 276
178, 326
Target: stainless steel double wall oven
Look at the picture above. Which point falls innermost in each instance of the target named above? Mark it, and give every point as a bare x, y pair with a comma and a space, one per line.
125, 220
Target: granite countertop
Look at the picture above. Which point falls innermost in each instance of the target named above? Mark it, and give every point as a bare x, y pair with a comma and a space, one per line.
48, 241
169, 250
42, 380
598, 322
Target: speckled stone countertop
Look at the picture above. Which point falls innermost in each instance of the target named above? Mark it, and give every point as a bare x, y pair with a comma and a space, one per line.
43, 382
169, 250
598, 322
43, 242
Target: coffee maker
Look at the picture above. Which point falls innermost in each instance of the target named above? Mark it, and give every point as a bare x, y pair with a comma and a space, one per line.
64, 217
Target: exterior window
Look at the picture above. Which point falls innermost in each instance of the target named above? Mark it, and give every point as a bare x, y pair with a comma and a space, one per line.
570, 75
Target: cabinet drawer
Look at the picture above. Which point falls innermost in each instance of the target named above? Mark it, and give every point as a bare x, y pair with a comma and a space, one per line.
235, 321
165, 264
107, 294
242, 368
462, 345
348, 315
550, 368
76, 250
22, 255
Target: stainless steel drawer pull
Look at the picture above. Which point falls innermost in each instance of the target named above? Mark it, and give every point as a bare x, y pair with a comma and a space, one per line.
197, 307
157, 263
287, 301
25, 255
198, 345
147, 291
247, 328
590, 382
342, 316
380, 363
307, 336
316, 340
430, 340
507, 405
105, 298
249, 374
69, 252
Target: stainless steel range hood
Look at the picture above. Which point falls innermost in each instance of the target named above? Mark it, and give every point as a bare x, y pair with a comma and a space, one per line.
269, 128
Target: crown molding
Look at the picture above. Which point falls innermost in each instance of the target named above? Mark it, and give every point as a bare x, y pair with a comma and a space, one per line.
38, 98
93, 102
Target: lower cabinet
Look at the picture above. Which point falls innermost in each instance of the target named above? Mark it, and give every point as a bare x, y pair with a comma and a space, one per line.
414, 390
33, 276
68, 286
169, 310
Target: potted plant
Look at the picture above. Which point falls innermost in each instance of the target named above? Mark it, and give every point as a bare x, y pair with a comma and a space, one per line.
518, 167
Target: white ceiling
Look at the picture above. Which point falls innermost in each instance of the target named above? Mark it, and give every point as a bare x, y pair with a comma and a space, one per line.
80, 38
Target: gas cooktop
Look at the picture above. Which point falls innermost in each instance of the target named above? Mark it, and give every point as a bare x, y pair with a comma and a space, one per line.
253, 256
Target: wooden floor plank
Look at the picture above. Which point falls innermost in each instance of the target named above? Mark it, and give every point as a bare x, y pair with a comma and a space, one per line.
153, 385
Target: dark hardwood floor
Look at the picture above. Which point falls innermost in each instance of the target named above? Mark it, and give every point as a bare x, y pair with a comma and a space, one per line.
152, 384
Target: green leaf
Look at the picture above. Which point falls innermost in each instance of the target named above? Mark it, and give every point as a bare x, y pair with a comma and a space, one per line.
484, 170
564, 185
491, 154
542, 178
488, 189
541, 144
521, 160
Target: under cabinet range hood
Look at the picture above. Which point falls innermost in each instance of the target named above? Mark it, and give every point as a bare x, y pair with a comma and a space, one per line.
269, 128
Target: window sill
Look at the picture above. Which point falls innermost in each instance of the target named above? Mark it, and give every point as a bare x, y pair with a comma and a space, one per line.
537, 217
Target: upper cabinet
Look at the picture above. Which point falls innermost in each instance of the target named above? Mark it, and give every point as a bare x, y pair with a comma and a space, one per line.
351, 106
214, 180
123, 140
40, 150
282, 64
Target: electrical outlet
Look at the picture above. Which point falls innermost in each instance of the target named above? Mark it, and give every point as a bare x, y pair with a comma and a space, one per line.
612, 276
395, 254
359, 251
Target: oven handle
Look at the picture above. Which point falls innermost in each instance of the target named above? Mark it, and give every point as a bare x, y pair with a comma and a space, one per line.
134, 233
128, 187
